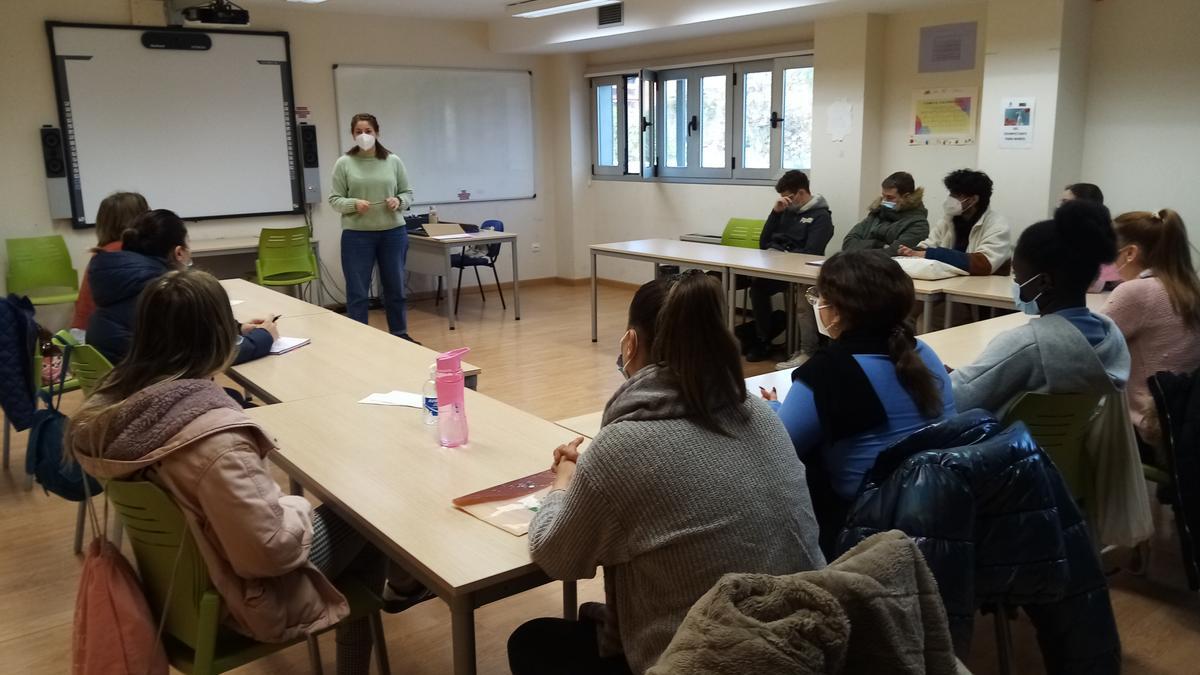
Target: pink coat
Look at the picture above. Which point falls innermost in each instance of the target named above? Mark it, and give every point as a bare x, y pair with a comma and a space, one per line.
254, 538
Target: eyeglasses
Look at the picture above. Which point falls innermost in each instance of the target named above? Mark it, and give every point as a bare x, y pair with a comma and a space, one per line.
813, 296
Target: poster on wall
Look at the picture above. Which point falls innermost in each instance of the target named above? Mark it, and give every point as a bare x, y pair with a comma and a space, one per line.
1018, 123
948, 47
944, 116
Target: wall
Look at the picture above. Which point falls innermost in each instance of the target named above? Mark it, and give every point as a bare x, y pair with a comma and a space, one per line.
1142, 138
928, 163
318, 40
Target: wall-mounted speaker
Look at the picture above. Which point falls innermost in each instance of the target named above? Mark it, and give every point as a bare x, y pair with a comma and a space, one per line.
310, 162
54, 160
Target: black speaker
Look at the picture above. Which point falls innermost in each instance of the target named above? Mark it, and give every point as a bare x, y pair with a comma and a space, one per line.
308, 146
52, 153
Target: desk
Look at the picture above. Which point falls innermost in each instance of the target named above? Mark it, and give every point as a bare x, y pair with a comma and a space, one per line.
585, 425
260, 302
345, 357
993, 291
427, 255
382, 469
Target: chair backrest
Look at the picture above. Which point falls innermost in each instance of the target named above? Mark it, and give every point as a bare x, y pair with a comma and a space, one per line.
87, 364
742, 232
156, 529
493, 250
39, 263
1059, 423
286, 251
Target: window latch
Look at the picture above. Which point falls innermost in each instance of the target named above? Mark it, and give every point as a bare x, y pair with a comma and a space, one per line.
646, 124
693, 125
775, 119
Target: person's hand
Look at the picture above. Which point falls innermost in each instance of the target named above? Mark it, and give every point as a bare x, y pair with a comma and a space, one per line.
265, 324
567, 452
911, 252
393, 203
772, 395
782, 203
361, 205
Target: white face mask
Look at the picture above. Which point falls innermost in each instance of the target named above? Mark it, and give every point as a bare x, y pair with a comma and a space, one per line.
365, 141
821, 327
1029, 307
952, 207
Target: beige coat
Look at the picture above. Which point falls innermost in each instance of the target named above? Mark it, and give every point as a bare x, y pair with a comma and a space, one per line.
254, 538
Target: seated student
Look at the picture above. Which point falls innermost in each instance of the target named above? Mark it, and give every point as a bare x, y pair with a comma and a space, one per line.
800, 222
154, 244
117, 212
1157, 308
969, 236
874, 383
688, 479
1088, 192
159, 416
897, 218
1069, 349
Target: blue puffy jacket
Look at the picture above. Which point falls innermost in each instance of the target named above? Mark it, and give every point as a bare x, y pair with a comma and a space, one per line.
997, 525
117, 279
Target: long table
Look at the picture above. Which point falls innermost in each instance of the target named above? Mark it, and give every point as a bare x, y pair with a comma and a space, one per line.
992, 291
383, 469
251, 301
430, 255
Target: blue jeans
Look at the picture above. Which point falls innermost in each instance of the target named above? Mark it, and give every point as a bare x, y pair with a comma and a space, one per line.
361, 250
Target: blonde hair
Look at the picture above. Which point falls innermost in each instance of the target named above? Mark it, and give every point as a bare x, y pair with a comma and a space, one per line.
184, 329
117, 212
1163, 240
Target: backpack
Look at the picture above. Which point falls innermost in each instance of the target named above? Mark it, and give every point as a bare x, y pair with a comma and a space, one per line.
18, 337
44, 455
115, 632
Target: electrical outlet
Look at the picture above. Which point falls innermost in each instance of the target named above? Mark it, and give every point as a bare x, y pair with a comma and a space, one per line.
537, 248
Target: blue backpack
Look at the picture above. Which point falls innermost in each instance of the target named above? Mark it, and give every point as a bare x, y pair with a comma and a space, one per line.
44, 456
18, 336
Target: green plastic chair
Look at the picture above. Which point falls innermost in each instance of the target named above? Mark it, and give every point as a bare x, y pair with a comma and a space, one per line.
742, 232
87, 364
1059, 424
193, 636
40, 267
286, 258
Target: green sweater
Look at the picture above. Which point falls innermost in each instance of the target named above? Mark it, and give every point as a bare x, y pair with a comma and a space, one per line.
361, 176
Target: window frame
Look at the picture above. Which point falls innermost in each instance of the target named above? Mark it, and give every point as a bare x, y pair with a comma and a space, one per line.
618, 169
695, 146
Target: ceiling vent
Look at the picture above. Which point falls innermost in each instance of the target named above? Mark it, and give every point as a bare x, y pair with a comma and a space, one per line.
610, 15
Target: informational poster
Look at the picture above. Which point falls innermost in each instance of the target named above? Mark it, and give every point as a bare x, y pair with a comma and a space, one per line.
841, 120
1018, 123
944, 116
948, 47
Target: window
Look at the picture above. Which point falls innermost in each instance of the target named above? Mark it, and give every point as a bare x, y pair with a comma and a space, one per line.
749, 121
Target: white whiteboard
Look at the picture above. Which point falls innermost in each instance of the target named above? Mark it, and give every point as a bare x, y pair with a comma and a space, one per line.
207, 134
464, 135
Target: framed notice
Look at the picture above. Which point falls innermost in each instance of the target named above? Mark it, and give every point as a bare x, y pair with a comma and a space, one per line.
948, 47
944, 116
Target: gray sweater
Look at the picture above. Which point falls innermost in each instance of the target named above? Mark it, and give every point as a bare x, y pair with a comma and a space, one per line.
668, 507
1047, 355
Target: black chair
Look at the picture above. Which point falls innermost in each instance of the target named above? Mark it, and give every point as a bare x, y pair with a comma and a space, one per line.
465, 259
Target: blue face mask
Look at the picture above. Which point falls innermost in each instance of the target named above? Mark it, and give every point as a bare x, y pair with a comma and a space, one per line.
888, 205
1029, 307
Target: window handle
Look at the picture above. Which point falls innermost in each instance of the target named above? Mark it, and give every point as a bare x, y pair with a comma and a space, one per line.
693, 125
646, 124
775, 119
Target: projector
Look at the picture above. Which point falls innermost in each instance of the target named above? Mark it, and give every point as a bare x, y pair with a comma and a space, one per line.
216, 13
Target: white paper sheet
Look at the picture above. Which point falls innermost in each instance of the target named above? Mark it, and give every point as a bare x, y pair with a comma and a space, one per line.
397, 398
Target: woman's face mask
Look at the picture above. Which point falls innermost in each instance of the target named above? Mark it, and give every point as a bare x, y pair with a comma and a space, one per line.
365, 141
621, 356
1029, 307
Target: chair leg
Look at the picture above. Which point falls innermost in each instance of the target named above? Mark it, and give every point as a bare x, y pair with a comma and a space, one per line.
498, 289
458, 291
314, 655
80, 518
381, 655
437, 298
1003, 641
479, 283
118, 531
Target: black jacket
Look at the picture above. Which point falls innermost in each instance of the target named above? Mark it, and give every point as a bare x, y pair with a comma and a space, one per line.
997, 525
117, 279
1177, 400
888, 229
806, 229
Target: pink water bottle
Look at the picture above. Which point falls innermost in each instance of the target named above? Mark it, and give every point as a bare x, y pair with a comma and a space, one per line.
452, 410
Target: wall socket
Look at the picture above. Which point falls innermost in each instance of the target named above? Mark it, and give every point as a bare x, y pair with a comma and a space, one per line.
537, 248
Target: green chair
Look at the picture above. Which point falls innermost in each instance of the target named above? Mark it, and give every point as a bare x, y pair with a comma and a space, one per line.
40, 267
192, 633
742, 232
1059, 424
286, 258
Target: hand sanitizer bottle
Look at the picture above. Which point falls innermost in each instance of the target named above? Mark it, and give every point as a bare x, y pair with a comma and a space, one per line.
452, 411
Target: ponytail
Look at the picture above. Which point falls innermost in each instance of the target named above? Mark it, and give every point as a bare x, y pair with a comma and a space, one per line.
1163, 239
155, 233
698, 352
912, 372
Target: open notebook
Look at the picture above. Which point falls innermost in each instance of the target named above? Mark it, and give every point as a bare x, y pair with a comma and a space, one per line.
286, 344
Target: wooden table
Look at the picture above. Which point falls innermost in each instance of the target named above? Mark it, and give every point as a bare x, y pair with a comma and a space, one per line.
252, 301
429, 255
383, 470
993, 291
345, 357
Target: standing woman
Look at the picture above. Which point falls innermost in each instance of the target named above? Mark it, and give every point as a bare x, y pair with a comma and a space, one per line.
371, 190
